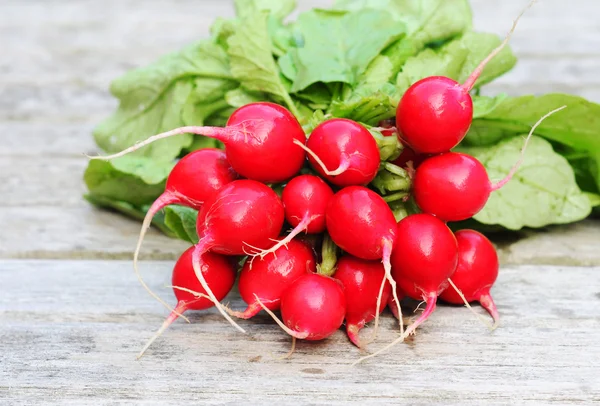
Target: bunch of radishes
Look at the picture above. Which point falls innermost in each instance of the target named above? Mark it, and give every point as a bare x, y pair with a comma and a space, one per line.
327, 194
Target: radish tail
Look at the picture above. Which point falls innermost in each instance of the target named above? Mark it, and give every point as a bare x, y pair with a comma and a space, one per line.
200, 249
377, 311
488, 304
387, 266
431, 303
393, 308
344, 162
466, 302
244, 130
470, 82
517, 164
352, 331
306, 220
432, 298
163, 200
179, 309
289, 354
285, 328
252, 310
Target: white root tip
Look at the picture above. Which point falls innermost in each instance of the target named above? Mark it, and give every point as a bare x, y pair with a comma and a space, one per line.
285, 328
466, 302
517, 164
196, 265
344, 162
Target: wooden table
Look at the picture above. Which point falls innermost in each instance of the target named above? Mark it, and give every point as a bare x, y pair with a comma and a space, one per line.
72, 315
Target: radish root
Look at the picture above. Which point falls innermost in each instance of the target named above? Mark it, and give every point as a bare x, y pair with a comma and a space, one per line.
344, 162
198, 251
180, 308
285, 241
431, 304
285, 328
163, 200
246, 129
377, 311
488, 304
516, 166
470, 82
466, 302
387, 266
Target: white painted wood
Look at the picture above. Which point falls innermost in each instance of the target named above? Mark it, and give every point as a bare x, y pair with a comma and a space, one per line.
71, 329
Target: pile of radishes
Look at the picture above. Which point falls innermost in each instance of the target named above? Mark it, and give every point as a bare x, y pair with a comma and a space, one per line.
296, 216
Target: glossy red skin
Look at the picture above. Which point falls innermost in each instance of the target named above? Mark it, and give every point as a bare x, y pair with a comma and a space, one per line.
477, 268
199, 175
451, 186
362, 280
314, 304
434, 115
307, 195
359, 221
242, 212
218, 271
271, 276
269, 155
334, 138
424, 256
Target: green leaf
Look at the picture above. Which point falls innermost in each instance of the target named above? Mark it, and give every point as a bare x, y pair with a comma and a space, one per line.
389, 147
542, 192
427, 21
594, 199
130, 179
368, 105
252, 62
182, 222
153, 98
577, 126
240, 97
457, 60
335, 47
279, 9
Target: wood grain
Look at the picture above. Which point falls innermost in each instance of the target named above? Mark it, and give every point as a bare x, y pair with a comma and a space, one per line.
71, 329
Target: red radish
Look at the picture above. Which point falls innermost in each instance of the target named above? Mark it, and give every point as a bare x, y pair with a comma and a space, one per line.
268, 278
367, 292
243, 212
195, 179
361, 223
343, 152
455, 186
424, 258
219, 275
259, 142
476, 272
436, 112
312, 308
305, 199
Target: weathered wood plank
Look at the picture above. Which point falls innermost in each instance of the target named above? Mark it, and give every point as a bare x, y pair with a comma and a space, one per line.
77, 232
71, 330
571, 244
